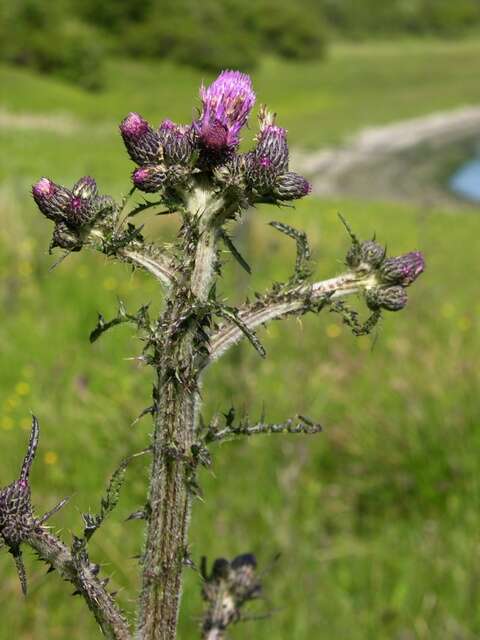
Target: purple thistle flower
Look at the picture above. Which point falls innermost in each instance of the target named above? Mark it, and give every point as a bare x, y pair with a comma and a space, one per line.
149, 179
52, 199
176, 141
141, 141
402, 270
226, 103
291, 186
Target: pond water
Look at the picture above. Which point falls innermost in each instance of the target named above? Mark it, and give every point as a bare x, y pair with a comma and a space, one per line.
465, 182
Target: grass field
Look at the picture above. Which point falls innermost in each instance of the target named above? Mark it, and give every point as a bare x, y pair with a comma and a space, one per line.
377, 518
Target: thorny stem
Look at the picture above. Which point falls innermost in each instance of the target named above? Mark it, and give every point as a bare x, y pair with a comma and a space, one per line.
100, 602
296, 300
174, 433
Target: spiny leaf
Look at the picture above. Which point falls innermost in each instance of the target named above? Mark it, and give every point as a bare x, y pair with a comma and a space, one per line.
111, 498
302, 270
141, 319
143, 206
231, 314
235, 252
350, 317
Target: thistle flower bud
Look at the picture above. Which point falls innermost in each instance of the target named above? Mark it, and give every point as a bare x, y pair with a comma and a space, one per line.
372, 253
52, 199
85, 188
80, 211
390, 298
226, 104
149, 179
272, 142
16, 517
104, 204
177, 142
260, 172
177, 175
66, 238
291, 186
233, 172
402, 270
141, 141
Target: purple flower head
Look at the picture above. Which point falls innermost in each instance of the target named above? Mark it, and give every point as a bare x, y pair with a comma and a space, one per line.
149, 179
52, 199
141, 141
43, 188
226, 103
402, 270
177, 142
134, 126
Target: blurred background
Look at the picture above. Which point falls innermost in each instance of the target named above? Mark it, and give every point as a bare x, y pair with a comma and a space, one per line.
376, 519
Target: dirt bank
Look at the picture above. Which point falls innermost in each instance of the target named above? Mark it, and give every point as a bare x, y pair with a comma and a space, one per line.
407, 160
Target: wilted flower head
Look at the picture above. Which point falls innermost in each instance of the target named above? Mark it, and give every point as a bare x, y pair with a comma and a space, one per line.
226, 103
402, 270
141, 141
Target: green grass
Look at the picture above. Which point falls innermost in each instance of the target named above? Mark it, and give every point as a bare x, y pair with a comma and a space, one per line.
377, 518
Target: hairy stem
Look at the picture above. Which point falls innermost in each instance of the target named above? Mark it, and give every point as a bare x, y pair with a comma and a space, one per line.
172, 474
297, 300
100, 602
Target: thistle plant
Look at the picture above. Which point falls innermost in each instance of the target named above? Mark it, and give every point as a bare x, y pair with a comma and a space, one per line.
197, 173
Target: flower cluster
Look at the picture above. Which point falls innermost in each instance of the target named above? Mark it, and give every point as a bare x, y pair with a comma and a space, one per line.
392, 275
72, 210
162, 154
167, 157
173, 159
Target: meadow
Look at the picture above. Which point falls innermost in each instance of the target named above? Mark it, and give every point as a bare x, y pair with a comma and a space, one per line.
377, 518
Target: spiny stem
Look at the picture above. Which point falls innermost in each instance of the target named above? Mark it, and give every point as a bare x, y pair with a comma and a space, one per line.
175, 426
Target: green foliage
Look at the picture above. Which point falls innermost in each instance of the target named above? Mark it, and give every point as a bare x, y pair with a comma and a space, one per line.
44, 37
206, 35
216, 35
291, 30
440, 17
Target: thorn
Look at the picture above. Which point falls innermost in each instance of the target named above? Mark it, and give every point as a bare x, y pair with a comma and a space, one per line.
22, 576
56, 508
32, 448
137, 515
